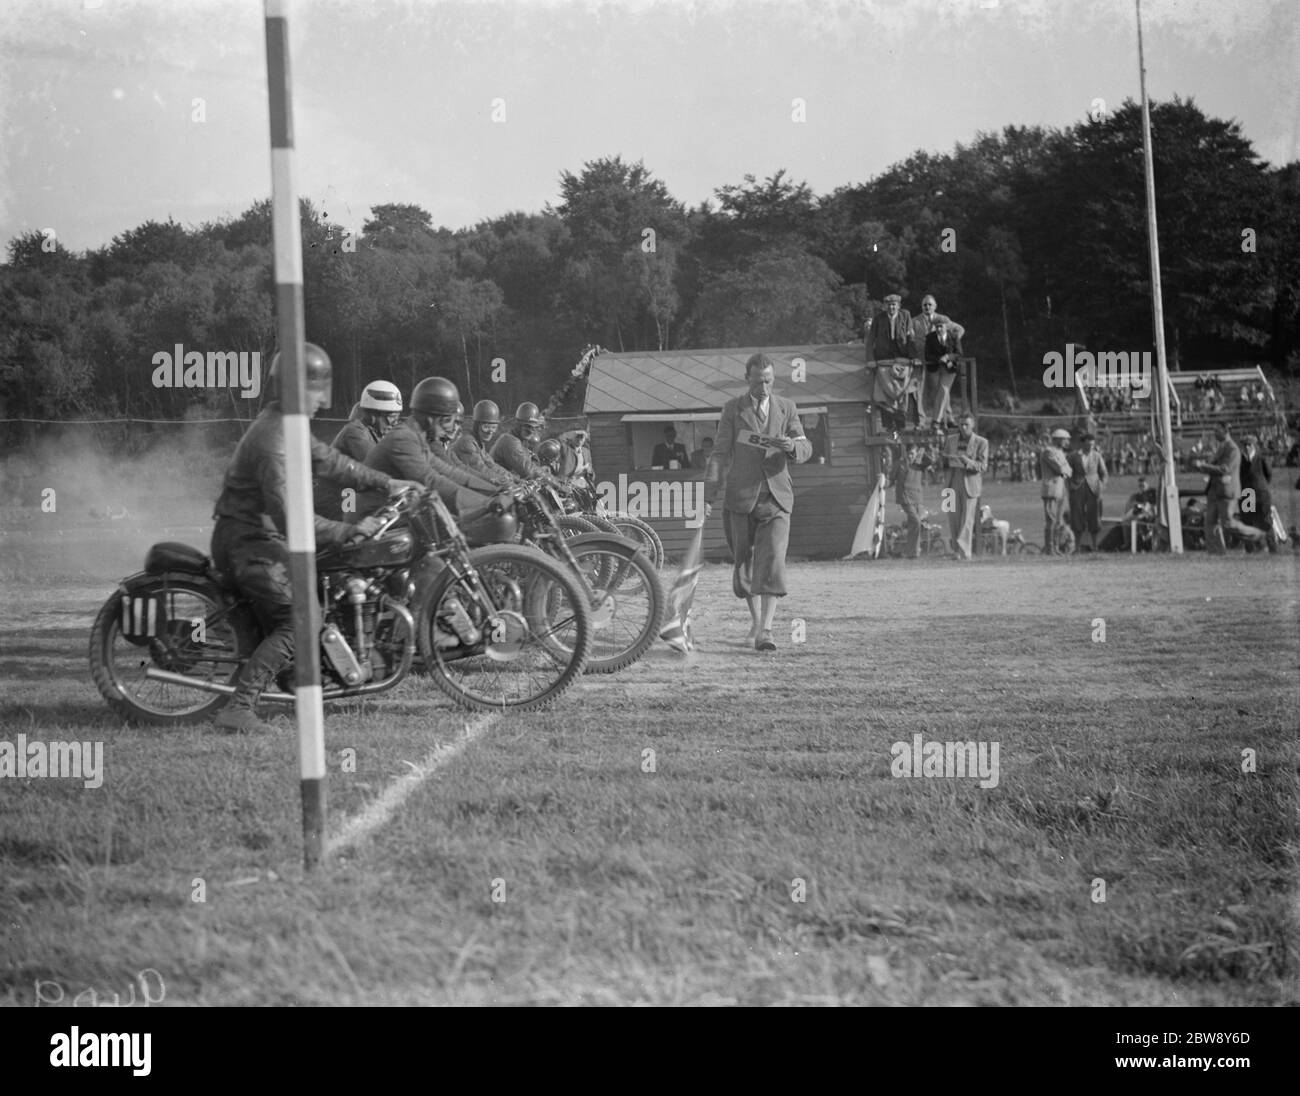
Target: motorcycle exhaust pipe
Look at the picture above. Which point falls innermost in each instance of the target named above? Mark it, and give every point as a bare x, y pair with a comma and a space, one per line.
335, 693
204, 686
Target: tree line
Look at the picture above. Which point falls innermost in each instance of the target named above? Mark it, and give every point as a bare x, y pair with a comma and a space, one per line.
1030, 238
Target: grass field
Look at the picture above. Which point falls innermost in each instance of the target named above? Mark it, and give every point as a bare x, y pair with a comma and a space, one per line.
534, 859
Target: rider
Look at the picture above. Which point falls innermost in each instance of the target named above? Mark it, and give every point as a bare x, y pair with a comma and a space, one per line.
514, 449
416, 449
248, 542
471, 448
550, 454
376, 413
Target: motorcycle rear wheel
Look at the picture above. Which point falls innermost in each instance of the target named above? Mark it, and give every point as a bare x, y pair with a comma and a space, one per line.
628, 526
172, 640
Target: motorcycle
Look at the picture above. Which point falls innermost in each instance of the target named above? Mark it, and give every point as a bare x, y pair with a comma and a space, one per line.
501, 627
583, 505
623, 587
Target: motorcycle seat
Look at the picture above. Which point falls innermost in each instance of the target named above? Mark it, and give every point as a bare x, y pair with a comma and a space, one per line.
172, 555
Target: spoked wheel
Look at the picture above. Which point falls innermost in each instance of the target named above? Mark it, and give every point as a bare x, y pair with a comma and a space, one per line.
628, 603
628, 526
177, 626
515, 639
574, 525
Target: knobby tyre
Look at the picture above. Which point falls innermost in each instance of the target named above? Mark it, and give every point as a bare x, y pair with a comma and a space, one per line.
628, 603
527, 651
190, 631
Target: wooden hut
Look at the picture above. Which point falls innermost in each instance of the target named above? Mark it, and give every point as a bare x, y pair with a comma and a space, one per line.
632, 398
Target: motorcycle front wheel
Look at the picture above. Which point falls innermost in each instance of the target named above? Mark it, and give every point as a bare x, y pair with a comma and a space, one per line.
628, 602
513, 634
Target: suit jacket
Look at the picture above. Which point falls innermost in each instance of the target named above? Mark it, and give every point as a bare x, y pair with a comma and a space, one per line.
934, 350
746, 467
880, 345
1256, 475
1224, 470
968, 480
1053, 467
1087, 469
921, 327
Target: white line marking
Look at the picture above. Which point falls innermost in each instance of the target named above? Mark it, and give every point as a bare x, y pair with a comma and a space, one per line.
379, 812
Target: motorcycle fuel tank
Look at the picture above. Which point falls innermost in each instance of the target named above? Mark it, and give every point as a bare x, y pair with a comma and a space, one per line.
386, 551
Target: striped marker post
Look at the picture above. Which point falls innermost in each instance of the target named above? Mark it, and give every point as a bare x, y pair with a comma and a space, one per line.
287, 232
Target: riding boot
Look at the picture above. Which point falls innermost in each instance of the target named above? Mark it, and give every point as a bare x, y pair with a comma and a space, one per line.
271, 656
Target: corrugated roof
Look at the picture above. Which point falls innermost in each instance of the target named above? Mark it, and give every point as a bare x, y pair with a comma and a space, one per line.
700, 380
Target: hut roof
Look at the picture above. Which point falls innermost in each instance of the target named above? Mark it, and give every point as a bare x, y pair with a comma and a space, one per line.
689, 380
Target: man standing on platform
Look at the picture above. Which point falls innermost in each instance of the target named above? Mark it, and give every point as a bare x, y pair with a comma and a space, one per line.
758, 435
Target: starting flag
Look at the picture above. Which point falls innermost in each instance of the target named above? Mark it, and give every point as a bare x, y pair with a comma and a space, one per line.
676, 631
871, 529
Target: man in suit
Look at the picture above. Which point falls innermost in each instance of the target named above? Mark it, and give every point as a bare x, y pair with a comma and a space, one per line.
890, 332
966, 456
758, 435
910, 489
1256, 490
1088, 475
892, 357
942, 353
1224, 470
669, 450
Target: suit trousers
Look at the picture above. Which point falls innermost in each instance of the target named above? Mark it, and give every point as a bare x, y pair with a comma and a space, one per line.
1220, 512
758, 541
1053, 520
910, 501
962, 522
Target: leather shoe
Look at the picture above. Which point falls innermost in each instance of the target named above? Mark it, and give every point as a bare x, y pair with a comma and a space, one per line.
764, 641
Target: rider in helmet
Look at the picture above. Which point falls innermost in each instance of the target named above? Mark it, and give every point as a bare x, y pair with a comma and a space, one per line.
550, 454
248, 542
375, 414
416, 449
472, 445
514, 450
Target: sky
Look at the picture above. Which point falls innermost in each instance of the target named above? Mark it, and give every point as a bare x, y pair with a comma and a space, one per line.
114, 113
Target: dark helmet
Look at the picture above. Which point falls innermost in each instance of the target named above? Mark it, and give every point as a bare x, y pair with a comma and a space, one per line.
530, 414
487, 411
320, 373
435, 396
549, 451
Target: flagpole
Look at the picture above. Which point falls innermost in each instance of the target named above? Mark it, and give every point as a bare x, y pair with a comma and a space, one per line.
1169, 482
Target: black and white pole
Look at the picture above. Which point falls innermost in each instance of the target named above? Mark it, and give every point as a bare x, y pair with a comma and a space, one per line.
1160, 391
287, 233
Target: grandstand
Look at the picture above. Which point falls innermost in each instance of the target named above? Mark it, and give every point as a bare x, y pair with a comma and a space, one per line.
1200, 399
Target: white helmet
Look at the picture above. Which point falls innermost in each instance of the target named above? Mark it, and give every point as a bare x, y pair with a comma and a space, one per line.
381, 396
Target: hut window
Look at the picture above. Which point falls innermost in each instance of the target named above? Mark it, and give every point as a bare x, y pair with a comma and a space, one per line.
643, 437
